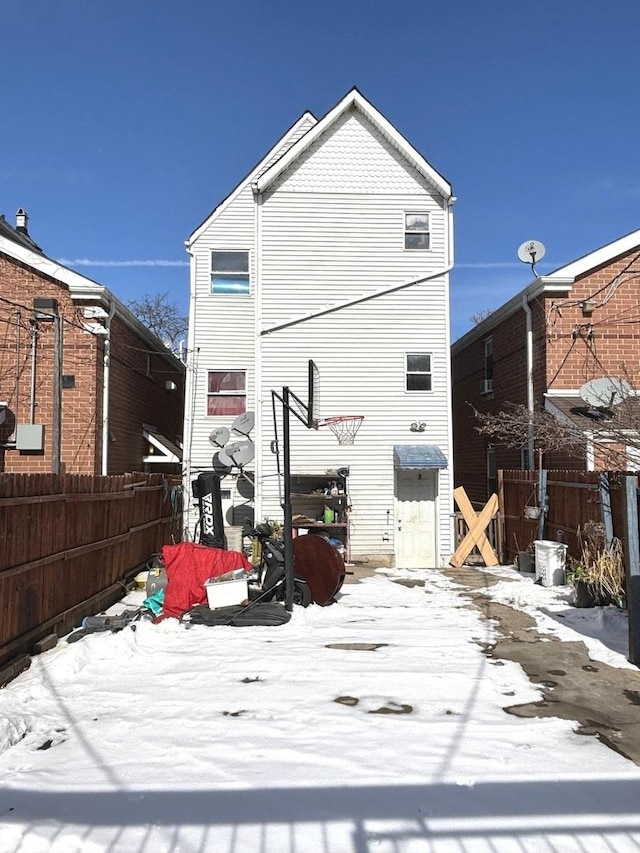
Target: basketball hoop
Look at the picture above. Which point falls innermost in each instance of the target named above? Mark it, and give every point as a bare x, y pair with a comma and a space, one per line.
344, 427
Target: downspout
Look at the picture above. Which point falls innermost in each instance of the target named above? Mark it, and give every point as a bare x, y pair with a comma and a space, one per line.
257, 360
189, 392
106, 377
542, 483
441, 544
529, 369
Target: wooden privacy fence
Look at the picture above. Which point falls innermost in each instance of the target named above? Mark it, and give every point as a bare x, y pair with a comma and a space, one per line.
573, 498
68, 543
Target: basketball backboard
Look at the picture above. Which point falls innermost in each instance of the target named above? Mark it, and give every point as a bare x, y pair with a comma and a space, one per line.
307, 413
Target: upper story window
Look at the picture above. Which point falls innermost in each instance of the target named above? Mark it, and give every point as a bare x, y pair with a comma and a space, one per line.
418, 371
487, 383
416, 231
230, 273
226, 392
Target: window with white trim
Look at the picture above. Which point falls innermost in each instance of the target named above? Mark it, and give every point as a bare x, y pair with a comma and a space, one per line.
416, 231
226, 392
230, 273
418, 371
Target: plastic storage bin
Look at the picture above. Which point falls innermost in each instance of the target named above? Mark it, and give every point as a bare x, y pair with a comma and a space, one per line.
550, 562
224, 593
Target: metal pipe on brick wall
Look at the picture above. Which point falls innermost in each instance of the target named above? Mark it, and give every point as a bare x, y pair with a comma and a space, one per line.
106, 361
529, 368
32, 389
56, 430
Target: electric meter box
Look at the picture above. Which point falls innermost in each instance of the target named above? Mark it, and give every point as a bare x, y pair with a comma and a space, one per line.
30, 437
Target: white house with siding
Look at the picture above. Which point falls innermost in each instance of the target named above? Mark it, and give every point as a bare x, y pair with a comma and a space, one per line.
336, 247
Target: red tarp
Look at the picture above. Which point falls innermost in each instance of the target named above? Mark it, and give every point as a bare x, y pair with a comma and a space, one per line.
188, 567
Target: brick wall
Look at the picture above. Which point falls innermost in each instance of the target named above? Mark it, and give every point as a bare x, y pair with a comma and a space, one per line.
606, 343
19, 286
509, 383
138, 397
568, 350
137, 382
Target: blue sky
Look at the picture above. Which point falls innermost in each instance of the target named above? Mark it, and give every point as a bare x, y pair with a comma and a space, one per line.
126, 121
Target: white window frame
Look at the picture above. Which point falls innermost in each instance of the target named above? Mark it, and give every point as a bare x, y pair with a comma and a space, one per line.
230, 393
407, 231
408, 373
231, 274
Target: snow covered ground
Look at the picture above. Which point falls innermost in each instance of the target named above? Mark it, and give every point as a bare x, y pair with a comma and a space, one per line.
376, 724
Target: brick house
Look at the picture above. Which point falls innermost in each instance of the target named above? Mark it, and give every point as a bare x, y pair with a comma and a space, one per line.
85, 388
579, 323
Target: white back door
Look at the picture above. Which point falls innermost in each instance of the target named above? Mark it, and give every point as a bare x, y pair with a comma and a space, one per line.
416, 505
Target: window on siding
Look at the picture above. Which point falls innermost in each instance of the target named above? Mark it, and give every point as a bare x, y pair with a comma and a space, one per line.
416, 231
487, 382
230, 273
226, 392
418, 371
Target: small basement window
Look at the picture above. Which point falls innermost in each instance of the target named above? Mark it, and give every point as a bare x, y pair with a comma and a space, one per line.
230, 273
416, 231
418, 371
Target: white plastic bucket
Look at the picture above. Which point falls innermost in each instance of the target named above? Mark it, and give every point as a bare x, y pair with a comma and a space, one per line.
550, 562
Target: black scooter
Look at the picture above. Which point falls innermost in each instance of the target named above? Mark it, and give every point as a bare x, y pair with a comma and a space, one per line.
268, 582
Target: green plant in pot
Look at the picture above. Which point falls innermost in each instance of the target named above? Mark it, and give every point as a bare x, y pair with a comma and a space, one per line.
598, 576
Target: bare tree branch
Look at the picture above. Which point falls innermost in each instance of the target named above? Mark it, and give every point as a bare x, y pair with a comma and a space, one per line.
611, 432
161, 317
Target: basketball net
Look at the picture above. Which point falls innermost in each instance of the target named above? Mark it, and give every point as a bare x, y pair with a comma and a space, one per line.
344, 427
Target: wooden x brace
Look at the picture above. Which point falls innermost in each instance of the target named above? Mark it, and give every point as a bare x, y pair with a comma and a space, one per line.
477, 524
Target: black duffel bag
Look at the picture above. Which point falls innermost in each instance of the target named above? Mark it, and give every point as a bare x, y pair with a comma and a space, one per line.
238, 615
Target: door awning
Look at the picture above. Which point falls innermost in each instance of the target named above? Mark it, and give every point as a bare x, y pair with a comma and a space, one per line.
160, 448
418, 456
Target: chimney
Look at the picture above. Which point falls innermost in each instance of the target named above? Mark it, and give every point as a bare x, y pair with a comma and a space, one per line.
22, 217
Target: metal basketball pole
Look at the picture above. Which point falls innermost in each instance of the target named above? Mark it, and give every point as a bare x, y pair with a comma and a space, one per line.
286, 506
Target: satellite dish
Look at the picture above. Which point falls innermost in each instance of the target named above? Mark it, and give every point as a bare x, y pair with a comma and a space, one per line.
245, 488
228, 452
605, 392
244, 453
219, 466
531, 252
224, 457
219, 436
244, 423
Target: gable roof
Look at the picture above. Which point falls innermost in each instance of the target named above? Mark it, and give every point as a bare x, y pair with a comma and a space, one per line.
284, 142
354, 99
560, 280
